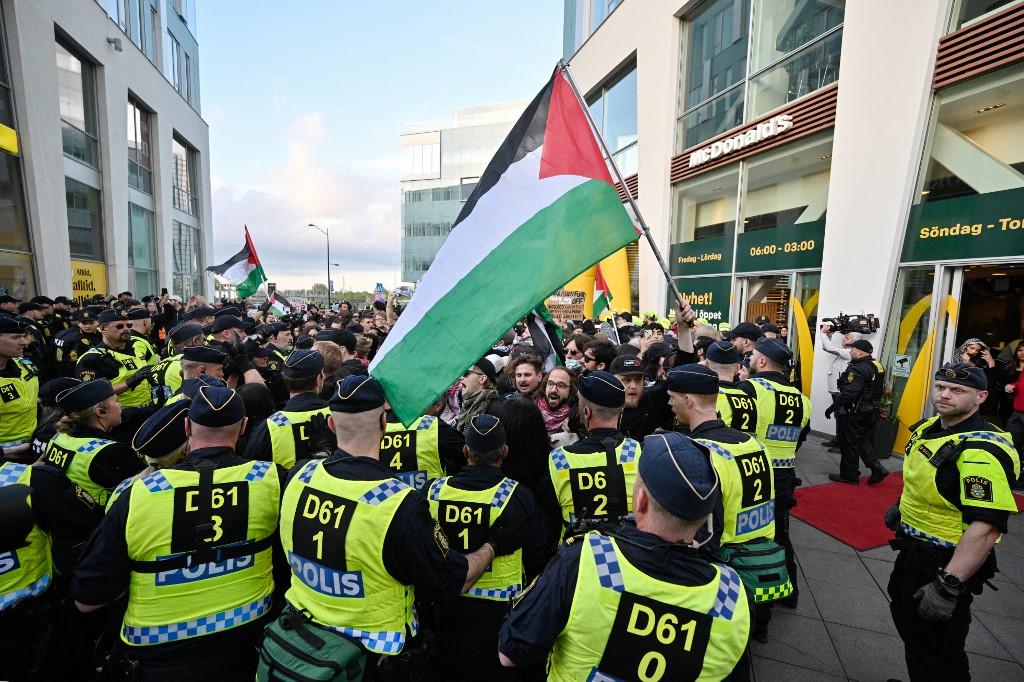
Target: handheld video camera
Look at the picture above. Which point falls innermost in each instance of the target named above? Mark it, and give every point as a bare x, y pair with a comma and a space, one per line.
861, 324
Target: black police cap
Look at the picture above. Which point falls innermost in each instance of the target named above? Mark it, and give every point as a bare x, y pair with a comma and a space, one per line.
139, 314
775, 350
304, 341
603, 388
203, 311
215, 406
28, 306
484, 433
163, 432
228, 310
626, 365
185, 331
342, 337
963, 374
678, 473
303, 364
273, 328
189, 387
205, 354
863, 345
746, 330
89, 313
723, 353
42, 300
694, 379
225, 322
84, 394
49, 391
11, 325
9, 299
357, 394
109, 315
63, 300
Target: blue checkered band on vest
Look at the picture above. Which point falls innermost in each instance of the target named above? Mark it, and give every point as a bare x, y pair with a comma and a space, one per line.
10, 473
307, 471
559, 460
435, 488
124, 485
505, 489
715, 448
205, 625
764, 383
36, 588
258, 471
921, 535
383, 491
985, 435
785, 462
729, 588
279, 418
607, 562
91, 445
629, 448
156, 482
507, 593
425, 423
382, 642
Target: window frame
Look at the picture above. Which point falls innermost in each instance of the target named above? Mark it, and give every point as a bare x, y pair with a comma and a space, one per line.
600, 94
147, 171
88, 75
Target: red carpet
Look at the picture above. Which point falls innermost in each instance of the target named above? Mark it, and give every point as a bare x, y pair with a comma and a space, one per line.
851, 514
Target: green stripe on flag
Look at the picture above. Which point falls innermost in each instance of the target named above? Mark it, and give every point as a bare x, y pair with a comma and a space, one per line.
251, 284
558, 242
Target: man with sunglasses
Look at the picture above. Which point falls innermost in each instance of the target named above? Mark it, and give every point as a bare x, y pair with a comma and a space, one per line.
115, 360
956, 503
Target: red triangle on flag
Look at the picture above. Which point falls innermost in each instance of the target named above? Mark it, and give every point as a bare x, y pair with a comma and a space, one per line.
570, 147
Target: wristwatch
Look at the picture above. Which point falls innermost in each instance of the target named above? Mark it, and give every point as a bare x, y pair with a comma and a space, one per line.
950, 580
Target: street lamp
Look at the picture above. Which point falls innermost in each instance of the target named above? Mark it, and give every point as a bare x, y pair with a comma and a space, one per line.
326, 233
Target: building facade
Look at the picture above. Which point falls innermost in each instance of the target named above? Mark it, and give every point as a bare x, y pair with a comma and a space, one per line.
442, 163
100, 104
802, 158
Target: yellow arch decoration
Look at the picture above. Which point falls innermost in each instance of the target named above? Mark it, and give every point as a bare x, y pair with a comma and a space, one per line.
909, 322
805, 347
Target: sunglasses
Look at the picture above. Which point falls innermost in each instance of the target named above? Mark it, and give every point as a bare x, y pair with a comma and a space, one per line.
589, 358
469, 371
120, 325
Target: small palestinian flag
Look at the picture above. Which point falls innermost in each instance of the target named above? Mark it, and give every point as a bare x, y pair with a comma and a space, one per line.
243, 269
602, 295
545, 209
278, 305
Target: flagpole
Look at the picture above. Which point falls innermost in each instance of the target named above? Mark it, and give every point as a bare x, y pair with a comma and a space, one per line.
622, 183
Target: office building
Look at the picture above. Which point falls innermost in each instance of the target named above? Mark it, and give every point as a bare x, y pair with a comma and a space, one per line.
442, 163
801, 158
105, 174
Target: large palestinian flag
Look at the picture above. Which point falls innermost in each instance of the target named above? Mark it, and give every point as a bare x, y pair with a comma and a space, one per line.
243, 269
544, 210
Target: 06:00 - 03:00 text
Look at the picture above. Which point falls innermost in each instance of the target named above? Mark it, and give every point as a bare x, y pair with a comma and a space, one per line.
788, 247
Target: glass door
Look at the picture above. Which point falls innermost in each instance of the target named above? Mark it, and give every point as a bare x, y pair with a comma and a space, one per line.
803, 323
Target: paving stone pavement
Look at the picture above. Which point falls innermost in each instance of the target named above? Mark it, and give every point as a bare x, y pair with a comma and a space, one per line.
842, 629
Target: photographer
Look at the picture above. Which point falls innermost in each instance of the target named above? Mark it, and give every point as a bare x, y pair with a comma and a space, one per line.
839, 348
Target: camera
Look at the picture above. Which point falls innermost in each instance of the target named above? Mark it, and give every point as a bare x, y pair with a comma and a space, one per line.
861, 324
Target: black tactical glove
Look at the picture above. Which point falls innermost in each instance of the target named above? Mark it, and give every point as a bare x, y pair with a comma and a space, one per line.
250, 347
892, 516
143, 374
937, 601
829, 411
322, 441
508, 534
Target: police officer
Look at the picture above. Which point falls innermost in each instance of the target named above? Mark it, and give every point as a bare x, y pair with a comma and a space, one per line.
467, 505
82, 447
279, 339
196, 562
744, 522
45, 517
142, 325
860, 389
639, 603
956, 503
735, 407
202, 315
592, 478
62, 317
239, 368
49, 414
115, 360
167, 376
9, 305
19, 387
423, 452
346, 511
783, 418
71, 343
31, 314
300, 429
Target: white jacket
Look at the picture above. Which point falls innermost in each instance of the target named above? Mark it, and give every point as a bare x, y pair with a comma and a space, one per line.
841, 357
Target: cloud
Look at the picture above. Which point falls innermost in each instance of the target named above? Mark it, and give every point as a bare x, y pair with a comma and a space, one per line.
358, 202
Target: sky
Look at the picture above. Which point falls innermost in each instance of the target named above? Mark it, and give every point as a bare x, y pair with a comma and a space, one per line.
306, 101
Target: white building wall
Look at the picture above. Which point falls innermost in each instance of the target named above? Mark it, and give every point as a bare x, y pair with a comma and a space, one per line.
648, 29
876, 154
31, 26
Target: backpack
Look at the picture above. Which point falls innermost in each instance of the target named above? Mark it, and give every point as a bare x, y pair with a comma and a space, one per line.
761, 565
294, 649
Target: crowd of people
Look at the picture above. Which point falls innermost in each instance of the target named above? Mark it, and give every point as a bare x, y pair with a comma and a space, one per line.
217, 492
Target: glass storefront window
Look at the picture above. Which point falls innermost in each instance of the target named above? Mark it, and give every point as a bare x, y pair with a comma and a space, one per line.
708, 120
13, 223
77, 93
968, 11
16, 278
140, 164
787, 187
718, 50
85, 220
183, 177
706, 208
613, 109
784, 27
977, 140
810, 69
142, 251
187, 248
